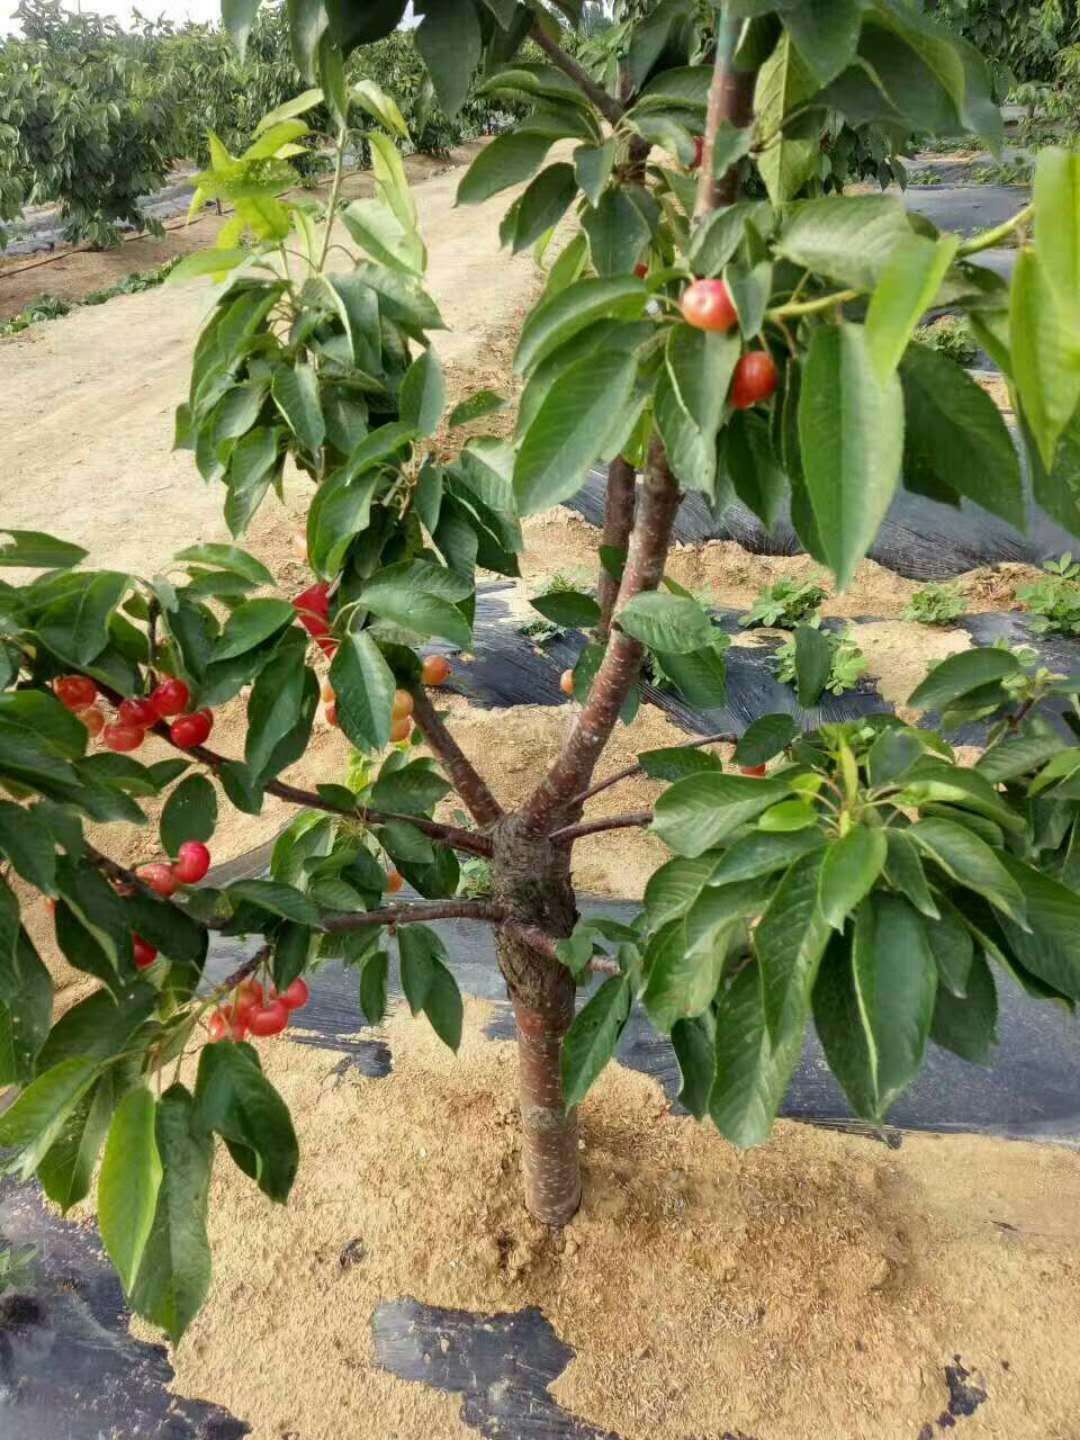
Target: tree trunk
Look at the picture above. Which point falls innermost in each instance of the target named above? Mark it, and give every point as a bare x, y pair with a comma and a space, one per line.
531, 877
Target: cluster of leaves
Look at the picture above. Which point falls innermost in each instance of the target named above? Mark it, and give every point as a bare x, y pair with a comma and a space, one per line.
785, 603
936, 604
838, 651
1021, 39
54, 307
1054, 601
892, 886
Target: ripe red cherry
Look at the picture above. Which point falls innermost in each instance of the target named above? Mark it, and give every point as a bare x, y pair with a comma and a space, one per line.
296, 995
225, 1025
269, 1019
159, 878
247, 996
143, 953
190, 730
140, 713
641, 271
755, 770
699, 151
394, 881
93, 719
706, 304
192, 862
122, 737
756, 377
75, 691
170, 697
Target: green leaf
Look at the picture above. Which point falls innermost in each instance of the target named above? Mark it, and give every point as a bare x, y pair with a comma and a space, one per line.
379, 105
701, 676
682, 979
673, 762
76, 627
67, 1171
190, 813
969, 861
375, 227
907, 287
672, 623
960, 674
373, 983
720, 234
953, 950
26, 842
129, 1182
954, 435
250, 624
788, 816
968, 1025
33, 550
364, 688
764, 738
904, 872
826, 33
690, 407
592, 168
692, 1041
789, 941
423, 394
751, 1073
214, 262
851, 430
420, 951
540, 207
339, 512
701, 810
567, 607
1009, 758
1057, 222
618, 232
227, 557
783, 82
35, 1121
849, 239
275, 706
251, 468
278, 899
39, 716
563, 315
443, 1006
1045, 354
412, 790
483, 402
234, 1099
425, 614
174, 1277
571, 429
508, 160
813, 663
590, 1042
763, 853
449, 41
1051, 950
673, 888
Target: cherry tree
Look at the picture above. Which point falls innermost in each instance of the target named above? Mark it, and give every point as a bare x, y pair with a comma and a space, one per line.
716, 321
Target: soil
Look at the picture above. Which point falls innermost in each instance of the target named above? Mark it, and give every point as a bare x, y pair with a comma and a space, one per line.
818, 1286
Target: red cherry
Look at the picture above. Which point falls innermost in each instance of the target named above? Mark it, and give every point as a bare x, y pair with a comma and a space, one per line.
122, 737
140, 713
208, 716
331, 713
170, 697
159, 878
296, 995
190, 730
93, 719
707, 305
269, 1019
247, 996
143, 952
435, 669
75, 691
226, 1025
641, 271
192, 862
755, 770
699, 151
756, 377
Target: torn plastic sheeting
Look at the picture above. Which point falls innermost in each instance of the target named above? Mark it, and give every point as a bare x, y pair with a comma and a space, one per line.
510, 669
920, 539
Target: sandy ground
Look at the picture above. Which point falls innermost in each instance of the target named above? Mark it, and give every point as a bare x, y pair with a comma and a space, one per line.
816, 1287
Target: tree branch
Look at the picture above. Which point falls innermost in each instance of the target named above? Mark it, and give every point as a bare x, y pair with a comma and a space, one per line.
472, 788
414, 914
452, 835
569, 833
608, 106
573, 768
731, 99
620, 502
721, 739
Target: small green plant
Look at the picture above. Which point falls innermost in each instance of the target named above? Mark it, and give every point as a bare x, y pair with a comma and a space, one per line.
1003, 172
15, 1266
936, 605
950, 336
848, 662
785, 603
1054, 601
53, 307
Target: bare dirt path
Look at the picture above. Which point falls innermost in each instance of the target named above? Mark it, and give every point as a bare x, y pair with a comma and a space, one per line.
86, 402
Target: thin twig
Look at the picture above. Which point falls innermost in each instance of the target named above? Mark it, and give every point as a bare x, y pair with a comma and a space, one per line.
722, 739
414, 914
468, 783
608, 106
569, 833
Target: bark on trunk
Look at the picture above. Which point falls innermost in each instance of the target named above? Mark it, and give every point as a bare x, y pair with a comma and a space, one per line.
531, 878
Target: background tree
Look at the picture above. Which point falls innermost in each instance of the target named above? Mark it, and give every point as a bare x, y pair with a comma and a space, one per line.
759, 347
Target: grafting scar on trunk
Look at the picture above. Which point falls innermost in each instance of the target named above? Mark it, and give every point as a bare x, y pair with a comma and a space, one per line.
531, 878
